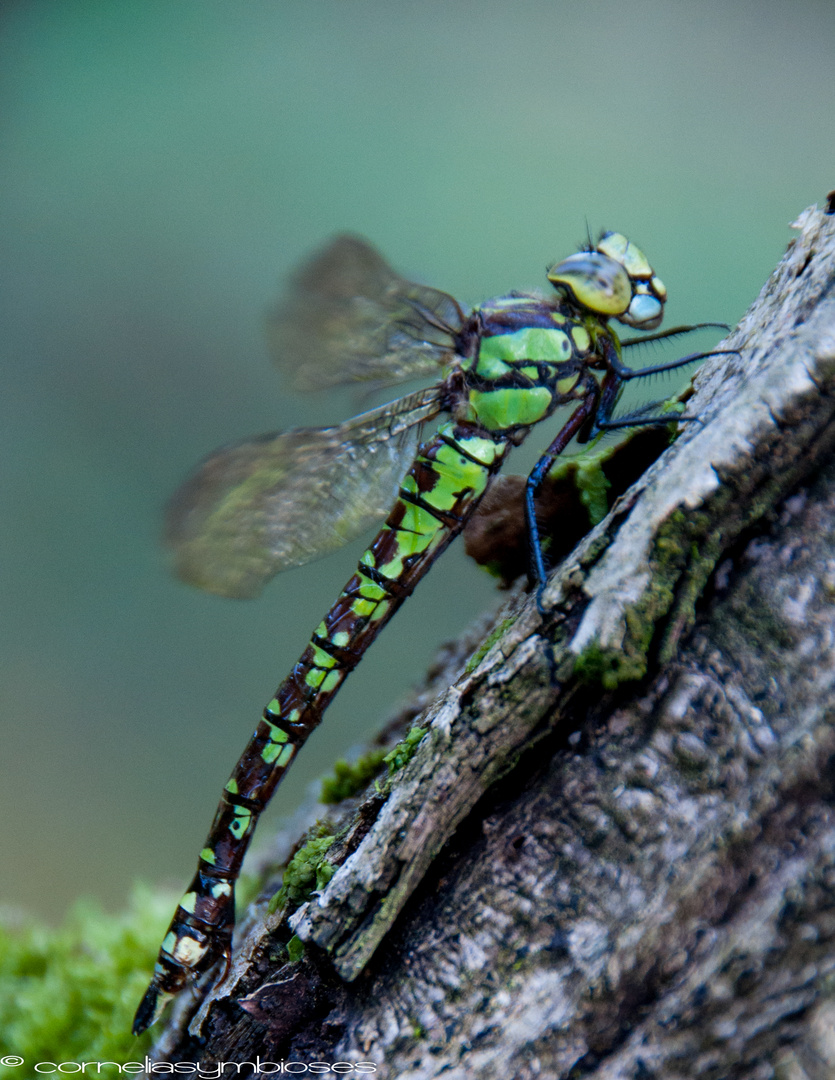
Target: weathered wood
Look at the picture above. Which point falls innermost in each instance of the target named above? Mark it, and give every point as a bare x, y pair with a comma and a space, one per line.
631, 867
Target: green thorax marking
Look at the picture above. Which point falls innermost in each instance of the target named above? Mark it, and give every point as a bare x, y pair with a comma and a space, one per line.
528, 360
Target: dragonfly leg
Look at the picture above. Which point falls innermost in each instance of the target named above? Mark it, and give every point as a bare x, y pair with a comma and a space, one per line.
639, 419
537, 573
675, 331
627, 373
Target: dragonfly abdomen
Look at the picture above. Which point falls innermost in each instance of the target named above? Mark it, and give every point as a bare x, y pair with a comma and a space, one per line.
438, 494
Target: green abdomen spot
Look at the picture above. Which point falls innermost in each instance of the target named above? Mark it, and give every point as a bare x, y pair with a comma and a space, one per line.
498, 410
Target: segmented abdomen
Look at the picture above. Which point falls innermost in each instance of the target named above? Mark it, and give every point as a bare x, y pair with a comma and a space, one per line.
438, 494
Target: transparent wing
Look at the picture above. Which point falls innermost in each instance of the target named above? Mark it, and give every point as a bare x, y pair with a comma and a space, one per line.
257, 507
349, 317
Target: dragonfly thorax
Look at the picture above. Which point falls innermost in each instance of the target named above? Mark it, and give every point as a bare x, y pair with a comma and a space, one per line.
522, 356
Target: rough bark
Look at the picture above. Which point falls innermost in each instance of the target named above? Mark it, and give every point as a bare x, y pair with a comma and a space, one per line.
616, 860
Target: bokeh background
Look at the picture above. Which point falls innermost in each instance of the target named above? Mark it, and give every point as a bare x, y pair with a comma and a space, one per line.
164, 164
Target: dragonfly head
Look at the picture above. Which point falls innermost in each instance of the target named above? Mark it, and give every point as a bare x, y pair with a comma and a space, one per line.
614, 280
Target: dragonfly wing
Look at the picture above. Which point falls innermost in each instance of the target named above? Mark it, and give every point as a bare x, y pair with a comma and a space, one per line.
260, 506
349, 317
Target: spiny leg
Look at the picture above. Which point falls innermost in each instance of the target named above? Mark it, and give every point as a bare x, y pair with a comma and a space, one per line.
627, 373
674, 331
639, 418
578, 419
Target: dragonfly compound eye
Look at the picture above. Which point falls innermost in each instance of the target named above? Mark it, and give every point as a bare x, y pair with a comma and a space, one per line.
645, 312
646, 308
596, 281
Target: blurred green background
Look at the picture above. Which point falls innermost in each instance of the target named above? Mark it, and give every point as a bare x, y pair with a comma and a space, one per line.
163, 165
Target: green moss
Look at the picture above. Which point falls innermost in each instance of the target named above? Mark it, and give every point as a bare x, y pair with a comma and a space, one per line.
593, 487
69, 993
324, 872
495, 568
307, 871
348, 779
703, 559
405, 749
295, 949
487, 645
585, 469
683, 559
599, 667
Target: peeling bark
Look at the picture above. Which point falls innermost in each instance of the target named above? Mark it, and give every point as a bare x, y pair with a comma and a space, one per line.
619, 863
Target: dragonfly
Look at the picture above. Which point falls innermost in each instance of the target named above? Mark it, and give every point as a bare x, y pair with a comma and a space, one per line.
259, 506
